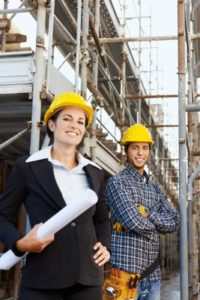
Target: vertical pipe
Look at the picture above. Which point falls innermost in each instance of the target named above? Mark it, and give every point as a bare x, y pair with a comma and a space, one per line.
190, 226
195, 277
85, 54
38, 77
95, 76
123, 68
182, 154
190, 78
190, 248
150, 57
78, 41
123, 80
97, 24
50, 43
191, 232
139, 64
3, 40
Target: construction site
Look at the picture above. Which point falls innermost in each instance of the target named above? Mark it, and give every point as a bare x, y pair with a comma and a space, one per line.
84, 46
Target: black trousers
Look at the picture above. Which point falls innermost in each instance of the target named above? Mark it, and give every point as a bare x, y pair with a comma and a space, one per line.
75, 292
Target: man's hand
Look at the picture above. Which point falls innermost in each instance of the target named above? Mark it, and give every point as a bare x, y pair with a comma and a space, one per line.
144, 211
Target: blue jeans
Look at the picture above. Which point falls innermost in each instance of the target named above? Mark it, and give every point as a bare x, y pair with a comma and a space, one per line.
148, 290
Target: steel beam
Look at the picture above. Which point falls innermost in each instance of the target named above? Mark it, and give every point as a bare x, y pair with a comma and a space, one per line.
115, 40
183, 246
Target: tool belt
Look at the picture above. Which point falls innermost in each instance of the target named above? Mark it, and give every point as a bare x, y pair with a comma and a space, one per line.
120, 285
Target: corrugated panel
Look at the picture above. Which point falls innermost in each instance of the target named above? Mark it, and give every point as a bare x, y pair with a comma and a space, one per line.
16, 74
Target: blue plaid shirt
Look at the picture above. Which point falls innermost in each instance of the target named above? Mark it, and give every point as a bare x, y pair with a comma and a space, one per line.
136, 248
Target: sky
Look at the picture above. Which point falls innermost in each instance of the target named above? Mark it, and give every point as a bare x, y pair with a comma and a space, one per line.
158, 18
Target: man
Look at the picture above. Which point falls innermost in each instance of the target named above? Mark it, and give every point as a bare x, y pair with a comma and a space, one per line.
139, 213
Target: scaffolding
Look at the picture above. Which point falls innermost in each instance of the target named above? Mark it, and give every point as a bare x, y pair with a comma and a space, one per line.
89, 37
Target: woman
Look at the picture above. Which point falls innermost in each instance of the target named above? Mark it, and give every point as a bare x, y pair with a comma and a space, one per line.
68, 265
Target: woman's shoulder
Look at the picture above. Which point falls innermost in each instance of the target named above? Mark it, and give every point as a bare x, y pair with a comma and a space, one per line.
93, 170
22, 159
93, 167
85, 161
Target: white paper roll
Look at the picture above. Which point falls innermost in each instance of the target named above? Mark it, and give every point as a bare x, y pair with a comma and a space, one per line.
8, 259
55, 223
68, 213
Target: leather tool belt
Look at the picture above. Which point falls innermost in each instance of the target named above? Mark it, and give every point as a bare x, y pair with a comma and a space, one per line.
120, 285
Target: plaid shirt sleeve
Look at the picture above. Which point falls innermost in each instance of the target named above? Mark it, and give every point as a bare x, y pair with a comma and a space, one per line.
124, 209
165, 219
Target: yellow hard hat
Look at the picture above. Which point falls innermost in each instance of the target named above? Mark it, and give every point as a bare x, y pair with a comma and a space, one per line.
69, 99
137, 133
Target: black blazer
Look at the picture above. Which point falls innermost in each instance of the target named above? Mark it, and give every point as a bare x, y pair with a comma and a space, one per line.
69, 259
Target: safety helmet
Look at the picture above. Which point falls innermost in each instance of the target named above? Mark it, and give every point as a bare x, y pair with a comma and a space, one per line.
69, 99
137, 133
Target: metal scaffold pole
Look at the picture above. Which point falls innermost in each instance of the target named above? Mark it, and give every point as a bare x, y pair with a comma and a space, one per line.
38, 77
191, 231
182, 153
78, 39
95, 76
139, 103
84, 48
192, 281
123, 81
50, 44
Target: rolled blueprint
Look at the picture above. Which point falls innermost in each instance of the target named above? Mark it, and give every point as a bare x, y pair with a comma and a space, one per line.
70, 212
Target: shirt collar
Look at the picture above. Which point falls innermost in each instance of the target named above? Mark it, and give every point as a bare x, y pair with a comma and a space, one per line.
45, 154
137, 175
39, 155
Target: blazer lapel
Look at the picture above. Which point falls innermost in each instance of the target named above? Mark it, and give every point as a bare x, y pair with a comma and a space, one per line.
93, 175
43, 171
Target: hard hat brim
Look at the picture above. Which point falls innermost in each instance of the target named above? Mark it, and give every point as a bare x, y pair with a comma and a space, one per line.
53, 108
